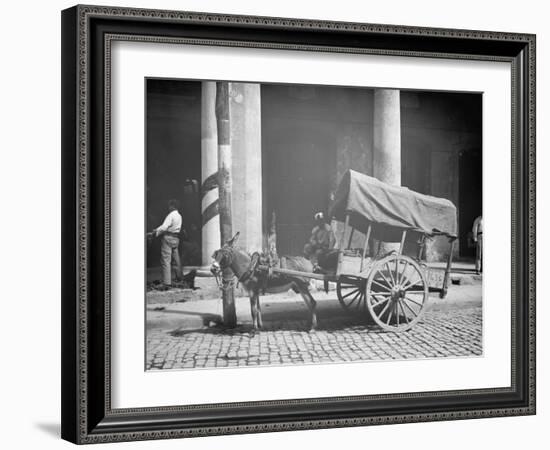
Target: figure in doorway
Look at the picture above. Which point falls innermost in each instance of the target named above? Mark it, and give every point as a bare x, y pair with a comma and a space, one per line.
477, 237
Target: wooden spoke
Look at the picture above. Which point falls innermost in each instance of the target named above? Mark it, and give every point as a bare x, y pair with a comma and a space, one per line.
396, 270
384, 310
381, 302
402, 274
355, 298
391, 274
401, 282
387, 288
357, 301
352, 287
415, 302
409, 284
389, 315
396, 307
403, 311
378, 302
410, 309
386, 280
361, 301
382, 294
350, 293
388, 308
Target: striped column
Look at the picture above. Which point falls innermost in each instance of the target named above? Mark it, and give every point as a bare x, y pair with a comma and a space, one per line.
209, 158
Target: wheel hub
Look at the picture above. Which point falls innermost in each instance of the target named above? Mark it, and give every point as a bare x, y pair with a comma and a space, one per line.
397, 293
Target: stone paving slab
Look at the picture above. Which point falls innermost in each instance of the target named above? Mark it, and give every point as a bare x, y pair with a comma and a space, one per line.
448, 329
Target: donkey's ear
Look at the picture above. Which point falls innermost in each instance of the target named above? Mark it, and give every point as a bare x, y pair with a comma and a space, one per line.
231, 242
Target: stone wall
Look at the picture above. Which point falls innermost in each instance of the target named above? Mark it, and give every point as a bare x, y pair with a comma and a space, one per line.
292, 144
436, 128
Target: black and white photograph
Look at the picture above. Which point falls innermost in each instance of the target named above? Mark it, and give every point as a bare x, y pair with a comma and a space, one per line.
275, 225
292, 224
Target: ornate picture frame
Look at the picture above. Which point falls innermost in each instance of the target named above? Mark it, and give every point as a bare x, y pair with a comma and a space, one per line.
87, 35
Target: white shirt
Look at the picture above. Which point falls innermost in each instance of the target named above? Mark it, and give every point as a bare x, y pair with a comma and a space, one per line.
172, 223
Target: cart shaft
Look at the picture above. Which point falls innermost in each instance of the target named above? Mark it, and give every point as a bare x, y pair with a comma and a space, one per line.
315, 276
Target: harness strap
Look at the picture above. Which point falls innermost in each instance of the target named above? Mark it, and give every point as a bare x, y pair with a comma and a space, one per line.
249, 273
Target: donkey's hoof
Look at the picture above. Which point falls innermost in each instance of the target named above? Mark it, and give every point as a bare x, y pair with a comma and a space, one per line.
312, 330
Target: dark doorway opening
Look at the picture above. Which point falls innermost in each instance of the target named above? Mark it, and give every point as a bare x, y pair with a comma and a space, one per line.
470, 198
173, 161
297, 166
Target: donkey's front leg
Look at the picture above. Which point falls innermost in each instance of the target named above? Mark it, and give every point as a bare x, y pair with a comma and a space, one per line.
259, 309
313, 311
311, 304
253, 310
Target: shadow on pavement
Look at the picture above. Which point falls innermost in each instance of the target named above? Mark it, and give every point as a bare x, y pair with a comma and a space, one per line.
206, 318
280, 322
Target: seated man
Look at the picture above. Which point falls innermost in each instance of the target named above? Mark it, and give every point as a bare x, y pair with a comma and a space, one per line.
322, 239
327, 260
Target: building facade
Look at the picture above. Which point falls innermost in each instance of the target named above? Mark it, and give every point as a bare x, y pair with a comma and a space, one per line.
290, 146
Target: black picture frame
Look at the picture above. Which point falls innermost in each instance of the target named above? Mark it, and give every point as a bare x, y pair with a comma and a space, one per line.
87, 416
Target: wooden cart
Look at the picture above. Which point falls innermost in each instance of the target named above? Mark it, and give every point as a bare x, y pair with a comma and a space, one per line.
390, 283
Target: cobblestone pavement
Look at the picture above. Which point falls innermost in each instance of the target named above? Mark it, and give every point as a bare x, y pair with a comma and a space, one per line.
446, 330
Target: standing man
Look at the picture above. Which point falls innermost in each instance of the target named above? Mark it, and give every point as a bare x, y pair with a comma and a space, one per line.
477, 236
169, 246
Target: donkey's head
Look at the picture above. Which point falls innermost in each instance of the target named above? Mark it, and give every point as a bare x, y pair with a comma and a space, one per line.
223, 257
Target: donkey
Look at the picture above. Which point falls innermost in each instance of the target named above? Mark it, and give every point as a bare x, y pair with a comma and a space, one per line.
243, 266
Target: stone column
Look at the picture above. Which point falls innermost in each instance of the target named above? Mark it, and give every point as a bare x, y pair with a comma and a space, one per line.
209, 163
387, 136
246, 143
387, 142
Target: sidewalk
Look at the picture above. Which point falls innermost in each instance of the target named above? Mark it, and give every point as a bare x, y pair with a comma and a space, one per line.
188, 313
463, 273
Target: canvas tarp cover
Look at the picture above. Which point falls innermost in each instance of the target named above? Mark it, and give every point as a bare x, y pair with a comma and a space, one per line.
369, 200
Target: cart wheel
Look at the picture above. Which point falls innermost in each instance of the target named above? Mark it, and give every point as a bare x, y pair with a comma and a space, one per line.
351, 292
396, 292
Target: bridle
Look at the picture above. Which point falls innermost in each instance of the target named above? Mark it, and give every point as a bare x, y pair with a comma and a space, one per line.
224, 254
